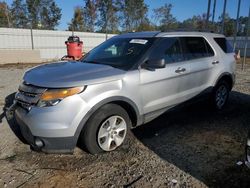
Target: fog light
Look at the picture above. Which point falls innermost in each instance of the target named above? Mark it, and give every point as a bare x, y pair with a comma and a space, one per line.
39, 143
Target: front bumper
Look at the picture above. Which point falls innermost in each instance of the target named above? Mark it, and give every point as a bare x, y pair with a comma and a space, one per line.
46, 144
52, 129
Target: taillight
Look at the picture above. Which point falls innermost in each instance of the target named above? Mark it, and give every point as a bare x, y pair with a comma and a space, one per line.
237, 55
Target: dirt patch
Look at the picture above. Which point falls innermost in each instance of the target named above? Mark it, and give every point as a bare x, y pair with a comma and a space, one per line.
2, 103
133, 164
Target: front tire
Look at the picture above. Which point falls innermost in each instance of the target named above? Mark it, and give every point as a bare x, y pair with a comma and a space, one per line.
106, 129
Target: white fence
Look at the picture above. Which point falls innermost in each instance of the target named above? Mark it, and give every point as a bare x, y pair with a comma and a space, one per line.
51, 44
241, 44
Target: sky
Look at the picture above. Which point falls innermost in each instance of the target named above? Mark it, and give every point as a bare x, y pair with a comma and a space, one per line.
182, 9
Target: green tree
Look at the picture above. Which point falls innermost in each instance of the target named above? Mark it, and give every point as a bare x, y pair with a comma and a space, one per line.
4, 15
145, 26
192, 23
77, 23
198, 22
90, 14
134, 14
33, 8
242, 26
108, 15
165, 18
43, 14
19, 14
229, 25
50, 14
188, 23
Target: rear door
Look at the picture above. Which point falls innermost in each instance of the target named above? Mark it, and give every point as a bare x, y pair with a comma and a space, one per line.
202, 61
166, 87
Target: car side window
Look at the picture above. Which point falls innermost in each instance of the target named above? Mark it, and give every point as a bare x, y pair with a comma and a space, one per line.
196, 47
174, 52
170, 49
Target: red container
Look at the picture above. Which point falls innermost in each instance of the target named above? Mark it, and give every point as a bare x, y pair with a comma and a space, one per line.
74, 47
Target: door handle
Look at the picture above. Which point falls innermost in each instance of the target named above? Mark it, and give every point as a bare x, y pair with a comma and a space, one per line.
179, 70
215, 62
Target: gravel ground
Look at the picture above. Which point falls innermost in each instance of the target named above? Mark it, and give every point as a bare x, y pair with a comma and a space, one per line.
193, 145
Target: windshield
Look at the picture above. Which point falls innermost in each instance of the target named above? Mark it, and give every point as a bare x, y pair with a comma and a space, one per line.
120, 53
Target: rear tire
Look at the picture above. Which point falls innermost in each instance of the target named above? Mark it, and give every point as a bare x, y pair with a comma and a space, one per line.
220, 95
106, 129
248, 148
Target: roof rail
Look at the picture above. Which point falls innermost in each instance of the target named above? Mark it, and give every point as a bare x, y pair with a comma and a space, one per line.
190, 29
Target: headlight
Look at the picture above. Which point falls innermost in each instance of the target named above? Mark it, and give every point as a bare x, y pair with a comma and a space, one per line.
52, 97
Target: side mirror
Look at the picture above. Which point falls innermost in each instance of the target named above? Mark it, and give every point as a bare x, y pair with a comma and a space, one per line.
155, 64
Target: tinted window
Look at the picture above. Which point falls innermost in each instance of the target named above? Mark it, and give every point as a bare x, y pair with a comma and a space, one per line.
224, 44
120, 53
169, 49
196, 47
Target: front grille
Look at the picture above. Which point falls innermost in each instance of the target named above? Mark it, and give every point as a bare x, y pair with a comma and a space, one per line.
28, 88
28, 95
24, 105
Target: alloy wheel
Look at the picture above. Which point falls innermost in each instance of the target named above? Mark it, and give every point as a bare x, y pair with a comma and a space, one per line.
112, 133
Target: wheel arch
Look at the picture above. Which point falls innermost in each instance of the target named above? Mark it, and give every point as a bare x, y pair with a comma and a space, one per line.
228, 77
124, 102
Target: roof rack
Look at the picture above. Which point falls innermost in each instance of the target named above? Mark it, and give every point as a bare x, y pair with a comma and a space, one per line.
190, 29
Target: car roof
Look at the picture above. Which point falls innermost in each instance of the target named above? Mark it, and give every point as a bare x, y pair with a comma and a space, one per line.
150, 34
145, 34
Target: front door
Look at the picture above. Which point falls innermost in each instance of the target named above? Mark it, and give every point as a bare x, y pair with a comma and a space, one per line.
165, 87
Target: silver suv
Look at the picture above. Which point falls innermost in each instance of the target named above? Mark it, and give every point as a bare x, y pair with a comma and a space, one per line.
125, 82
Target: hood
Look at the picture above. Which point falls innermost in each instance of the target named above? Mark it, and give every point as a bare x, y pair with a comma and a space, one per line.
71, 74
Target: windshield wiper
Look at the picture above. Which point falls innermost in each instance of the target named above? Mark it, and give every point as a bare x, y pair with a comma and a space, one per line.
92, 62
101, 63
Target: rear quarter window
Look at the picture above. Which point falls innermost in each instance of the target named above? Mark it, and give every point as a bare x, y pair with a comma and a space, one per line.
224, 44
